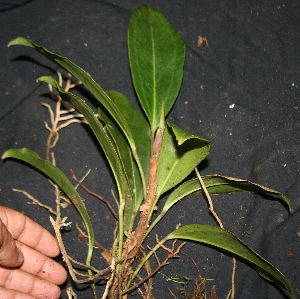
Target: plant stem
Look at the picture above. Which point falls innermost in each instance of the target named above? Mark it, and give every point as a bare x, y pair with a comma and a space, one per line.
211, 205
121, 232
141, 171
145, 209
153, 224
142, 263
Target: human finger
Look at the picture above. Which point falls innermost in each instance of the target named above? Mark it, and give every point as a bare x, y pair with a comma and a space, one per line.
42, 266
27, 231
22, 282
12, 294
10, 255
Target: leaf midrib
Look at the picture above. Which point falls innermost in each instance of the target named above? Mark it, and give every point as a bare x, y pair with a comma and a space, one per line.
153, 74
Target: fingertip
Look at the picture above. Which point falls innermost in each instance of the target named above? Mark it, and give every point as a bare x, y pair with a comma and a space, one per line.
55, 292
47, 244
53, 250
64, 276
54, 272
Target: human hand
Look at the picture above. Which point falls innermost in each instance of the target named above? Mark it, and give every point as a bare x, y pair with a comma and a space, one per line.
26, 269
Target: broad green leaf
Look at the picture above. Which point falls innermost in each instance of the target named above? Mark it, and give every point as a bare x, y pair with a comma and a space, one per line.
217, 184
60, 179
181, 152
227, 242
88, 81
156, 56
103, 138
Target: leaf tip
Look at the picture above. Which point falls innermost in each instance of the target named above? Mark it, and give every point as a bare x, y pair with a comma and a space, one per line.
21, 41
6, 154
13, 42
49, 80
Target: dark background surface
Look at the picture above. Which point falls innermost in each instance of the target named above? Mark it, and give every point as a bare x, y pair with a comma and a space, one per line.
241, 92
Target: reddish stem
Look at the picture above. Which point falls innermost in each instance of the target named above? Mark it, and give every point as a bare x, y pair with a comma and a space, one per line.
95, 195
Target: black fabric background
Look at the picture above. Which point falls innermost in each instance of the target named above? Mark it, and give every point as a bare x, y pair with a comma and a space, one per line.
241, 92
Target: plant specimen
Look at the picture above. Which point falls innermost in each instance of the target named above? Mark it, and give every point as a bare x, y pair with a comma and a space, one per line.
149, 157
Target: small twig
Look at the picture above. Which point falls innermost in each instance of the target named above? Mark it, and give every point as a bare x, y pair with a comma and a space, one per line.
84, 234
68, 259
110, 281
200, 282
115, 198
56, 118
233, 278
227, 297
36, 201
193, 261
141, 282
97, 272
58, 202
57, 193
172, 293
210, 203
155, 255
70, 293
95, 195
83, 178
149, 285
64, 253
172, 253
211, 208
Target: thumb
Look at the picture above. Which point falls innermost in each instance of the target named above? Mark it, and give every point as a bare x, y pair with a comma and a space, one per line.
10, 255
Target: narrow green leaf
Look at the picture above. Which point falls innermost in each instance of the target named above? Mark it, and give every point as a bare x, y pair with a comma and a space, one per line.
181, 152
99, 132
139, 128
134, 194
217, 184
88, 81
156, 56
224, 184
60, 179
228, 243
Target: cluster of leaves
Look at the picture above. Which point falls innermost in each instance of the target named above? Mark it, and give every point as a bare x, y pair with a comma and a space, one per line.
148, 156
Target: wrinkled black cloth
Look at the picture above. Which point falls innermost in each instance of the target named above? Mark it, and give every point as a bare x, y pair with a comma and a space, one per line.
240, 90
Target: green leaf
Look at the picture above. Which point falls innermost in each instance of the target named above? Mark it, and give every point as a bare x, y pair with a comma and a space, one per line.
103, 138
134, 194
217, 184
139, 128
60, 179
181, 152
156, 56
227, 242
86, 79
